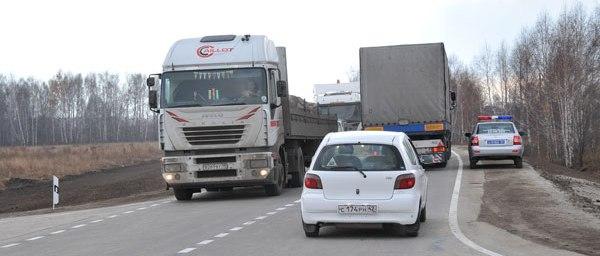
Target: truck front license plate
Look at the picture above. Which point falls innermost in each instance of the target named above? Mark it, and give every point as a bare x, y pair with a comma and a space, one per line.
357, 209
215, 166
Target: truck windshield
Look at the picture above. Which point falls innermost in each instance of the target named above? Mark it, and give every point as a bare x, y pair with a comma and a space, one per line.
364, 157
214, 87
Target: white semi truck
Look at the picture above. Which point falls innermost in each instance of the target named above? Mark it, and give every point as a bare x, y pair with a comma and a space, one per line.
226, 119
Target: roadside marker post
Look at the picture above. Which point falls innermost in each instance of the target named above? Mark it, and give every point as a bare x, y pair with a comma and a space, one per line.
55, 191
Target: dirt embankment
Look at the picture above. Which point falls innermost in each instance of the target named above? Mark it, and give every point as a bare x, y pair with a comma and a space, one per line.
107, 187
523, 202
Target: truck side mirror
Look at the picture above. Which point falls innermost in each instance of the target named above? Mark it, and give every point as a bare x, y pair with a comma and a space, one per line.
152, 99
150, 81
468, 135
281, 88
453, 95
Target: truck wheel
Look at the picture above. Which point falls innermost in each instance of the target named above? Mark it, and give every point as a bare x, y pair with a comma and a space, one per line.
275, 189
443, 164
183, 194
519, 162
297, 168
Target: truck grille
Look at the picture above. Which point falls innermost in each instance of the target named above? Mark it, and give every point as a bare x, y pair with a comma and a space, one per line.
209, 160
216, 173
209, 135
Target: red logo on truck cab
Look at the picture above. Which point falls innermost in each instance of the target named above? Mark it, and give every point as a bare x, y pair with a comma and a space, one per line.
206, 51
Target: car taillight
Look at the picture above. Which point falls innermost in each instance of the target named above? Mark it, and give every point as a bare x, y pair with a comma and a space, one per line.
474, 141
517, 140
312, 181
439, 149
405, 181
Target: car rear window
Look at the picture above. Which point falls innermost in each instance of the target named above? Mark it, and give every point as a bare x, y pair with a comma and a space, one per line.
494, 128
365, 157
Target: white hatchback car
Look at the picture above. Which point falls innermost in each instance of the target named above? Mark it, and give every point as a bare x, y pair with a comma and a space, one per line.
365, 177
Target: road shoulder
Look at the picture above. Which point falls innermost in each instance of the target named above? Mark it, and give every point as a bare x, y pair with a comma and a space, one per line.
493, 237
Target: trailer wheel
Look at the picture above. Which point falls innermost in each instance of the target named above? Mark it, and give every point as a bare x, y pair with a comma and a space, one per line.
297, 168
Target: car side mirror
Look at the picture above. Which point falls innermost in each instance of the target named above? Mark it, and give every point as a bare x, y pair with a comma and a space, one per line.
468, 135
281, 88
152, 99
453, 95
523, 133
150, 81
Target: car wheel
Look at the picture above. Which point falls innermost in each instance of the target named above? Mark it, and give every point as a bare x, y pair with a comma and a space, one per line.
423, 216
297, 166
310, 230
519, 162
275, 189
473, 163
183, 194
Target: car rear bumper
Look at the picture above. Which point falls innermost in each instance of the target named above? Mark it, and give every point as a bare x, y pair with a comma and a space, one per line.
400, 209
501, 152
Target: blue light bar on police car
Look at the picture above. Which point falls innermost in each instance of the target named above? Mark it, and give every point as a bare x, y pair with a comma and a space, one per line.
497, 118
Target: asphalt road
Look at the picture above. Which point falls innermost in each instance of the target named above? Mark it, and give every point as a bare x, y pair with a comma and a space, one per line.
246, 222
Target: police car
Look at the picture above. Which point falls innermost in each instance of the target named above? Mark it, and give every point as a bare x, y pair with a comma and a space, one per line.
495, 138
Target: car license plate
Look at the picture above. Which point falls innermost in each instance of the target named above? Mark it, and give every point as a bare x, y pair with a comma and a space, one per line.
215, 166
357, 209
495, 142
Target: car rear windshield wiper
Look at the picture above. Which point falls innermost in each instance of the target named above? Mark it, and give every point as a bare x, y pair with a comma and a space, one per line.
353, 168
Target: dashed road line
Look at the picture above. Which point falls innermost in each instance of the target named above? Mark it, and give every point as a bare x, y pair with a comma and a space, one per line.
205, 242
57, 232
297, 201
222, 235
236, 229
260, 218
127, 212
78, 226
187, 250
280, 208
96, 221
288, 205
142, 208
35, 238
10, 245
248, 223
112, 216
453, 214
153, 205
271, 213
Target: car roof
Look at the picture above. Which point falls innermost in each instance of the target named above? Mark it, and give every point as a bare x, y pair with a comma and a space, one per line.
375, 137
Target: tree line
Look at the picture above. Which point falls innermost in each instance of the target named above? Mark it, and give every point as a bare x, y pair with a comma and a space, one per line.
73, 108
548, 79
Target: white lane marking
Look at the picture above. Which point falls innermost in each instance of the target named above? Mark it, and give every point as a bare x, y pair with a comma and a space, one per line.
222, 235
249, 222
112, 216
288, 205
35, 238
453, 214
142, 208
260, 218
205, 242
236, 228
280, 209
153, 205
96, 221
128, 212
297, 201
186, 250
57, 232
271, 213
78, 226
10, 245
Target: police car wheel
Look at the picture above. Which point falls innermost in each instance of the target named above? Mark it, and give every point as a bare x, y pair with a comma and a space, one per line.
519, 162
473, 163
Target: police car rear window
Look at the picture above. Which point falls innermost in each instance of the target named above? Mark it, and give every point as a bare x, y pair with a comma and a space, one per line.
494, 128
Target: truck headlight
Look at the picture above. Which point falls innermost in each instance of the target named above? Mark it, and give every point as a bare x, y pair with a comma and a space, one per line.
257, 163
173, 168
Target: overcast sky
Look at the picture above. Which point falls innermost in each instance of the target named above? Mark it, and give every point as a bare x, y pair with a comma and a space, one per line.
322, 37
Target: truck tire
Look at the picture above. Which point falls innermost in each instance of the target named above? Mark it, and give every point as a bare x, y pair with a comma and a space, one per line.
183, 194
275, 189
297, 168
518, 162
